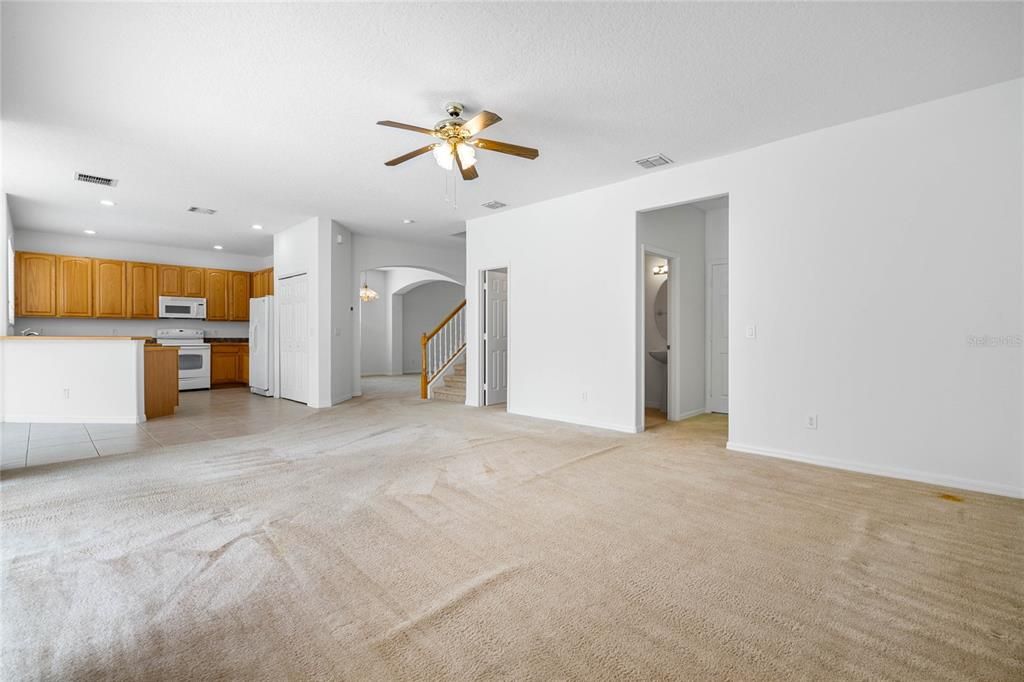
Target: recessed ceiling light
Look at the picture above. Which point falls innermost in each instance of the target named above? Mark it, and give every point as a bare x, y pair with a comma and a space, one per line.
218, 247
89, 231
408, 221
107, 202
257, 227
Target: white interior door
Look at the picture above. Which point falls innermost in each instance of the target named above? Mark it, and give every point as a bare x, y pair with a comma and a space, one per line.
718, 386
294, 325
496, 337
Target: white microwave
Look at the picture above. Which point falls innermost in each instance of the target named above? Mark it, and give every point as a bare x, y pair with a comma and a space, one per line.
177, 307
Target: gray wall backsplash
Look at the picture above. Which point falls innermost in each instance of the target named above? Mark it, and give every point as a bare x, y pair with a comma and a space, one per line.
52, 326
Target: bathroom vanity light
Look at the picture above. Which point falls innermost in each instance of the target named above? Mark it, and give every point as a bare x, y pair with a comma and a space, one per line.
661, 269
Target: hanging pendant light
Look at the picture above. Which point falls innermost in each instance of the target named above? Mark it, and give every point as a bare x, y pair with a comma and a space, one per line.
366, 294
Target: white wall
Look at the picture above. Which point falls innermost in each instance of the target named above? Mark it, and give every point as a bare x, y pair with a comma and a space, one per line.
422, 309
78, 381
375, 328
867, 254
49, 242
680, 230
6, 271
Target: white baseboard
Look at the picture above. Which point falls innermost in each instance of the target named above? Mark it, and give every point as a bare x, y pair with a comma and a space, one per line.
576, 421
691, 413
890, 472
69, 419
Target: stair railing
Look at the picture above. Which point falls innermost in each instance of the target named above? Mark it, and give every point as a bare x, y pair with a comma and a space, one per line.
440, 347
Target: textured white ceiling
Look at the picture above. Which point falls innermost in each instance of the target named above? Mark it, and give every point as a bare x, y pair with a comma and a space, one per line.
266, 112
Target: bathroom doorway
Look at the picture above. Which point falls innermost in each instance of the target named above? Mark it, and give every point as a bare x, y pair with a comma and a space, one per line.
657, 345
683, 311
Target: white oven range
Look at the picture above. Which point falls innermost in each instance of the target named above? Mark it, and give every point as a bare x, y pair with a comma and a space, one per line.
193, 356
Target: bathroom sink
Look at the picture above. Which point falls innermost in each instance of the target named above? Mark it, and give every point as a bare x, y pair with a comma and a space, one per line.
659, 355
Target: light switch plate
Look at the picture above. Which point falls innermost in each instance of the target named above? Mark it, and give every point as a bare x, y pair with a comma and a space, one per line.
811, 422
750, 331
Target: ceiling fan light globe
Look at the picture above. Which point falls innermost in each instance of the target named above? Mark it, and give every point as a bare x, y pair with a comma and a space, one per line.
443, 156
467, 155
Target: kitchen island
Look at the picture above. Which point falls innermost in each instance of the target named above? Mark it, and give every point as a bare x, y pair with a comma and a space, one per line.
72, 379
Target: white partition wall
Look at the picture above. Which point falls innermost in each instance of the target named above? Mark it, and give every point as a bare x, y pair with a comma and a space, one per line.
86, 381
869, 256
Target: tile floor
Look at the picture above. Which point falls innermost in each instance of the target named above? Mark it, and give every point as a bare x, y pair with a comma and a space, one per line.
201, 416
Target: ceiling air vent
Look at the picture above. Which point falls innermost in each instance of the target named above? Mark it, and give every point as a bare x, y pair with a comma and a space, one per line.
95, 180
653, 161
200, 209
494, 205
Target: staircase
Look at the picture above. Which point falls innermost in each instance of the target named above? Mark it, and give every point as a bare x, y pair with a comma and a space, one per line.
453, 389
440, 350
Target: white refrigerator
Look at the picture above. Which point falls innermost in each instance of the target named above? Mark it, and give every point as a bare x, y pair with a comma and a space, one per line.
261, 345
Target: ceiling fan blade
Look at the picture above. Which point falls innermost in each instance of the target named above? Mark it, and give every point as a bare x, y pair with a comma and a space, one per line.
411, 155
406, 126
506, 148
479, 122
467, 173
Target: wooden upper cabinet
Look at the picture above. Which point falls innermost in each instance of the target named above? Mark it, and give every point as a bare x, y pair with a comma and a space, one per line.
238, 298
74, 286
35, 284
110, 288
142, 290
217, 288
171, 279
262, 283
193, 282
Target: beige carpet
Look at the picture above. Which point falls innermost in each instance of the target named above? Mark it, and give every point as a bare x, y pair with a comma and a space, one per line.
392, 538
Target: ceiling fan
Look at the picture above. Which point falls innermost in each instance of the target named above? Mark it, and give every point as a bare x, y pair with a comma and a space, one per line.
458, 141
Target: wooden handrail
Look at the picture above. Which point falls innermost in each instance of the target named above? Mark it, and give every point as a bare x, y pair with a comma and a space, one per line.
445, 321
424, 340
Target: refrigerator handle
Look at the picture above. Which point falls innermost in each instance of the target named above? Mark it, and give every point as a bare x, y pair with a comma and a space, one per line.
254, 334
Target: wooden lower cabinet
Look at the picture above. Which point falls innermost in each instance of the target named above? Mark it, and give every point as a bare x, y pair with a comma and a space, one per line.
229, 363
35, 284
161, 380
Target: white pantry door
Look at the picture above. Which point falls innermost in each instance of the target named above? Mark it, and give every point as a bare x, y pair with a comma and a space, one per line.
718, 387
496, 337
294, 307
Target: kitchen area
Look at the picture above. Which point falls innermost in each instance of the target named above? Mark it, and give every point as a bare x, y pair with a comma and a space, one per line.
123, 348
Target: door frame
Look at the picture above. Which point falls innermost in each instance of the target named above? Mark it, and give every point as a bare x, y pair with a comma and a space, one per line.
708, 330
672, 399
481, 320
277, 364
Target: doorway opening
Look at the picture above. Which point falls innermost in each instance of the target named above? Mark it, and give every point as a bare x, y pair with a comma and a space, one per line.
656, 312
683, 330
494, 336
397, 305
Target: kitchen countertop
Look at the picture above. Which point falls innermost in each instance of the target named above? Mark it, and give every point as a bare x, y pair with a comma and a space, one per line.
78, 338
225, 339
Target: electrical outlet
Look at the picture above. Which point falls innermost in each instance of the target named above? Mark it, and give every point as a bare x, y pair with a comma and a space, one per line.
113, 332
811, 422
67, 394
584, 396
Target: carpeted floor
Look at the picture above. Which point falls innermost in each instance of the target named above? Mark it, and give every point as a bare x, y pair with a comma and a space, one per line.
391, 538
